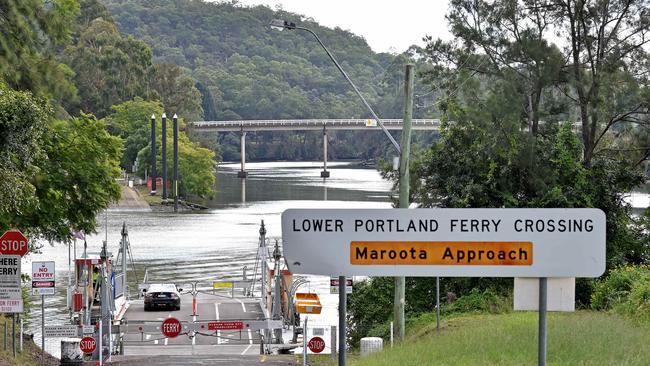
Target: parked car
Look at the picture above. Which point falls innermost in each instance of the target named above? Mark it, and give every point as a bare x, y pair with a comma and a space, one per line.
162, 295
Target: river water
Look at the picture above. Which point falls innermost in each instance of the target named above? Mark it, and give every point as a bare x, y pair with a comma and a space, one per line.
217, 243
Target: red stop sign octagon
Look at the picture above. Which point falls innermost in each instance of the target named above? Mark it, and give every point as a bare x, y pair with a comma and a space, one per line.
13, 242
171, 327
87, 344
316, 344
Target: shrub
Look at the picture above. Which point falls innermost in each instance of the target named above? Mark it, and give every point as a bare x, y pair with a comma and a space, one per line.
615, 289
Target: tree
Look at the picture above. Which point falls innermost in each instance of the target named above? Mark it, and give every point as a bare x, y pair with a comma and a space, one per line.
177, 91
109, 69
505, 40
73, 181
31, 32
23, 120
606, 46
131, 121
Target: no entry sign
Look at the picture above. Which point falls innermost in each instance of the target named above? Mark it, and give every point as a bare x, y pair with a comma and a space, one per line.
316, 344
171, 327
13, 242
43, 278
88, 345
445, 242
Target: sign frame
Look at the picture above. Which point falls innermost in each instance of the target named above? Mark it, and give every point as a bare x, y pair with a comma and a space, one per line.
42, 282
565, 242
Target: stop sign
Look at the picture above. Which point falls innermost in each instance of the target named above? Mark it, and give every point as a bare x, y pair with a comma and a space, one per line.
171, 327
316, 344
88, 345
13, 242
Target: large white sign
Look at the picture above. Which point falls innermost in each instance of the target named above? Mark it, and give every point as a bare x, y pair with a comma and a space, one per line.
11, 300
445, 242
43, 278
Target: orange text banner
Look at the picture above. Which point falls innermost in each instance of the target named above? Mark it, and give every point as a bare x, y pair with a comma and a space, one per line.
470, 253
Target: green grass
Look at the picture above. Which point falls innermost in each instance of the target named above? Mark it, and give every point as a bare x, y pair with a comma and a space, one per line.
580, 338
144, 192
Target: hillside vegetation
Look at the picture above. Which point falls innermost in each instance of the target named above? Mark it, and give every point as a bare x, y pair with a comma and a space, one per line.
245, 70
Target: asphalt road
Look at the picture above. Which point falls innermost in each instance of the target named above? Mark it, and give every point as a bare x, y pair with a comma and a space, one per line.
231, 360
209, 308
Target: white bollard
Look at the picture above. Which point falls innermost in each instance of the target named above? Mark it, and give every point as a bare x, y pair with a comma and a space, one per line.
370, 345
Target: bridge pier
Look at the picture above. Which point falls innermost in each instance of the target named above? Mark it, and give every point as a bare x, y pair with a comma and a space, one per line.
324, 173
243, 173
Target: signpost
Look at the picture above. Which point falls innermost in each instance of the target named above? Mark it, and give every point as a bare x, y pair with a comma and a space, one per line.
334, 285
13, 245
171, 327
480, 242
88, 345
316, 344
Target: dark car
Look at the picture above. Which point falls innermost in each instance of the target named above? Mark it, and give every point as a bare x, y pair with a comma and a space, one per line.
162, 296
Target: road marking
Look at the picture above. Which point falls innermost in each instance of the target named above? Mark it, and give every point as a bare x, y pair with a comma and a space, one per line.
155, 341
216, 310
242, 304
166, 339
250, 336
247, 348
148, 336
194, 339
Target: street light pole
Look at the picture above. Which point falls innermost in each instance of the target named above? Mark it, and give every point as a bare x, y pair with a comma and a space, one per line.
404, 153
282, 24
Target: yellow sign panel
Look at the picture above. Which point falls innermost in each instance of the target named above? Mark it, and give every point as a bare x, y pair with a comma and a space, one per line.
467, 253
371, 123
221, 284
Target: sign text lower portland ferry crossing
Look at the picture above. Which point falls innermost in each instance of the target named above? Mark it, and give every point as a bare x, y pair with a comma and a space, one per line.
446, 242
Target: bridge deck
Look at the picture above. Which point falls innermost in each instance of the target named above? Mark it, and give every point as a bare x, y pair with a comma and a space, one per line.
311, 124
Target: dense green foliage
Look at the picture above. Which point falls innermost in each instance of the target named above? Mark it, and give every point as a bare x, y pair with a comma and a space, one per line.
625, 290
31, 32
253, 72
58, 175
23, 119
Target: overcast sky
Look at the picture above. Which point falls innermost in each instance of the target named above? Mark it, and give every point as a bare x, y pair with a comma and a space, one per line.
387, 26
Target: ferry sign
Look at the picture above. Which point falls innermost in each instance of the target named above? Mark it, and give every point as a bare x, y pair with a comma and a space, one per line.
445, 242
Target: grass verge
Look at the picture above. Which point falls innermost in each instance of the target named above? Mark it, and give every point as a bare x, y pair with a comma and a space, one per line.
31, 354
580, 338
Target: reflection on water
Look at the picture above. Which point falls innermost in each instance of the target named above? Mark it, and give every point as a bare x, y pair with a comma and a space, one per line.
216, 243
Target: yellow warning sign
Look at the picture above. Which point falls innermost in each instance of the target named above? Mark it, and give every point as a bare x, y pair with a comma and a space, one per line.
466, 253
222, 284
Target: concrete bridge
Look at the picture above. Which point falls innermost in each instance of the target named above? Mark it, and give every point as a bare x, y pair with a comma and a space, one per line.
324, 125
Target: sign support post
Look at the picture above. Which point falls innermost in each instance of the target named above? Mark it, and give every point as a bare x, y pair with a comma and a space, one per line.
542, 321
342, 316
43, 329
304, 343
438, 304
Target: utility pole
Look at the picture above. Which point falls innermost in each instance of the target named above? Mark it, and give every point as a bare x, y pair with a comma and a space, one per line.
164, 156
153, 154
175, 187
400, 282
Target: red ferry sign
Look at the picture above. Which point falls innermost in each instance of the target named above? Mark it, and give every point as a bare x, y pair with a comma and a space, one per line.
171, 328
225, 325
